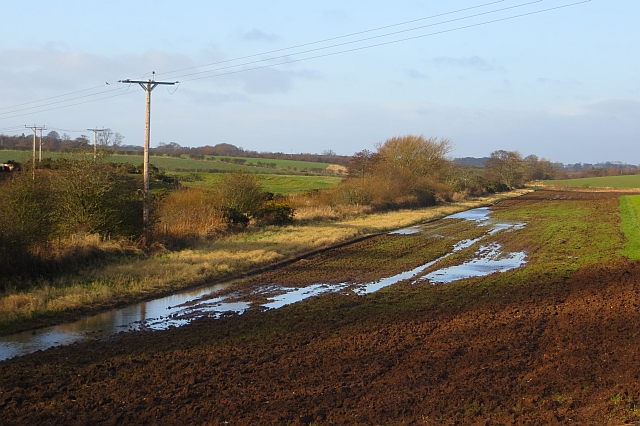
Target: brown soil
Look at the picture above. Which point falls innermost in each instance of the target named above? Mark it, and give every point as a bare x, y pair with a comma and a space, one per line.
559, 351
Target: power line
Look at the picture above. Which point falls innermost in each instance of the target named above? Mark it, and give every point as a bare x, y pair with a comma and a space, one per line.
237, 59
52, 97
308, 51
58, 102
358, 41
388, 42
67, 106
68, 130
10, 129
330, 39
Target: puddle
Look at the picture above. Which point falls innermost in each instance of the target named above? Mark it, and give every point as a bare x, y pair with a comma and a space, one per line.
180, 309
488, 260
406, 231
479, 215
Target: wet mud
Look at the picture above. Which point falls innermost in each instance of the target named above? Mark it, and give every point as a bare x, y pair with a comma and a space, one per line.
563, 349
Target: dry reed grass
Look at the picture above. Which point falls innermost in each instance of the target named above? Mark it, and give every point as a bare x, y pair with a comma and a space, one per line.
137, 277
189, 213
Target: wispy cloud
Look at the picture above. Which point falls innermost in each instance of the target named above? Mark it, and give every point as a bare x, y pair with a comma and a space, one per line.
258, 35
415, 74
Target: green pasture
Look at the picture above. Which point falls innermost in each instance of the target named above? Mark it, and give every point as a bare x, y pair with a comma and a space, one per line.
280, 164
630, 226
630, 181
277, 184
174, 164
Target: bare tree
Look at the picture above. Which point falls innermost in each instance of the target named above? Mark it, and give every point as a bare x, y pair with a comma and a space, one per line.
507, 167
108, 139
415, 154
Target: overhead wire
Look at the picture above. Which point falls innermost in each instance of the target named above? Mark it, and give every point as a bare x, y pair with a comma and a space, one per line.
59, 102
388, 42
52, 97
67, 106
360, 40
67, 130
254, 55
330, 39
301, 59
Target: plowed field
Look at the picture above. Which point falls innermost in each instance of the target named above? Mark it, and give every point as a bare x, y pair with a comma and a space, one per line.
554, 342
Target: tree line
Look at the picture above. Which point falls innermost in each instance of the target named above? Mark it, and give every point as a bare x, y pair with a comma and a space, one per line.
80, 196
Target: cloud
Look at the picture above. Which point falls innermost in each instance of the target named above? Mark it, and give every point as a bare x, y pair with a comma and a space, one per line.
558, 83
258, 35
214, 98
52, 69
474, 62
272, 80
415, 74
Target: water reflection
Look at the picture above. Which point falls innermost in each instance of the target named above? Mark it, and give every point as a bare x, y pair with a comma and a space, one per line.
488, 260
180, 309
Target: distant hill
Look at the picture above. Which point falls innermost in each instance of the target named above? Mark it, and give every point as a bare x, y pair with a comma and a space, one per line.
471, 161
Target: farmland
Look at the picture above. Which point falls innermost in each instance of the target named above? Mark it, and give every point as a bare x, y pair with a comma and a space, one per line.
135, 278
629, 181
173, 164
276, 184
553, 342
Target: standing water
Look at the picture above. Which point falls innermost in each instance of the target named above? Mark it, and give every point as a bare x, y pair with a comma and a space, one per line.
182, 308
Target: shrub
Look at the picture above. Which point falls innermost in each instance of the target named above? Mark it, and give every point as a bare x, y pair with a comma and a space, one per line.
274, 213
235, 217
189, 213
97, 197
240, 193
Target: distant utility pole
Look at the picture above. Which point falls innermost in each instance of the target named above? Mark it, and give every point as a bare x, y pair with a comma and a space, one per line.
148, 87
95, 141
33, 157
40, 151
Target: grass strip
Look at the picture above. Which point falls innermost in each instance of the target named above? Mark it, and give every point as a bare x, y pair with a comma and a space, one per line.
630, 226
141, 278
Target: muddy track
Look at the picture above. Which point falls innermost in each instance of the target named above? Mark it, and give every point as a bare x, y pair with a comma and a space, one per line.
560, 350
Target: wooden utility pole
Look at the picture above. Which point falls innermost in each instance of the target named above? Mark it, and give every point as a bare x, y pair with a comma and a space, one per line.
40, 149
148, 87
33, 157
95, 141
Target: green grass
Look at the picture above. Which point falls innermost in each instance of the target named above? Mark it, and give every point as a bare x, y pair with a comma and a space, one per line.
281, 164
631, 181
630, 226
277, 184
173, 164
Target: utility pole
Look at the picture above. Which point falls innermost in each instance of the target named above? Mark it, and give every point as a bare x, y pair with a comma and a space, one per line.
40, 152
148, 87
33, 157
95, 141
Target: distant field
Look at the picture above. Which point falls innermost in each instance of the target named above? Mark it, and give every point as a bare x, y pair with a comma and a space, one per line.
277, 184
280, 164
172, 164
632, 181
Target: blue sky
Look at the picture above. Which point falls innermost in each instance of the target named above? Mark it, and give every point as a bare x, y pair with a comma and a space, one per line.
563, 84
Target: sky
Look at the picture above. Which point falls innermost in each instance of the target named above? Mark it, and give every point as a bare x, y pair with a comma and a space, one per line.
562, 84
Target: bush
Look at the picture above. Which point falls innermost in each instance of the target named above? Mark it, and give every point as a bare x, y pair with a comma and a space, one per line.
97, 197
26, 224
274, 213
189, 213
240, 193
235, 217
